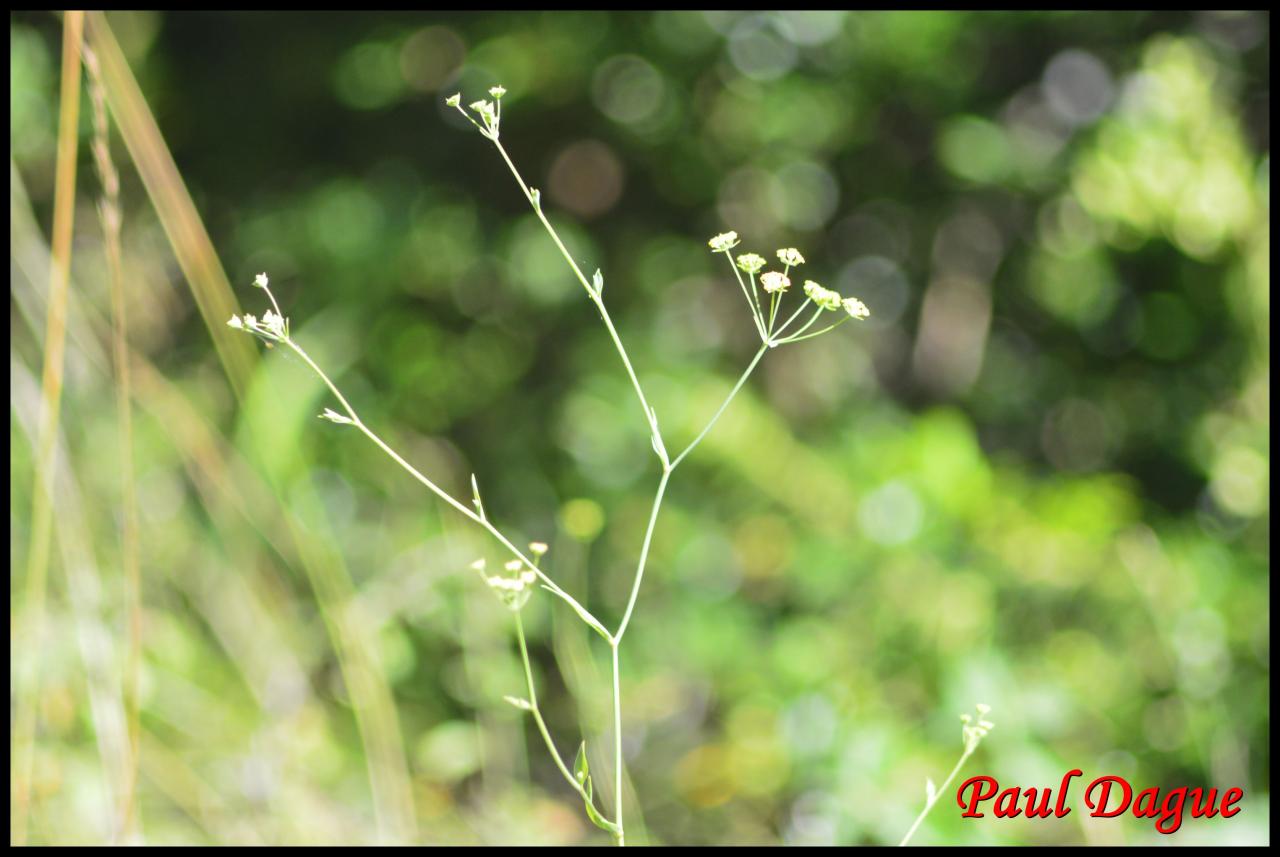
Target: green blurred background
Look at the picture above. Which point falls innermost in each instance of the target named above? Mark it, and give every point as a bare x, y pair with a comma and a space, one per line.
1037, 477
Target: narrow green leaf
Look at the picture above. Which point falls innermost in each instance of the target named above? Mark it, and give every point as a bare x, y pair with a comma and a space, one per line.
599, 820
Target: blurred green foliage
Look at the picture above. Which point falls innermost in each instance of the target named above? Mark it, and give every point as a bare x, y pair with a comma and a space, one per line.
1036, 477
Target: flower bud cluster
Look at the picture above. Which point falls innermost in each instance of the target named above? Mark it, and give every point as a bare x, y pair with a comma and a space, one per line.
512, 589
973, 731
273, 327
490, 112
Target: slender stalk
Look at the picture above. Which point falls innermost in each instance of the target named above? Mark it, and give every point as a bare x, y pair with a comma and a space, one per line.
51, 389
798, 338
736, 387
595, 297
616, 640
537, 714
617, 744
755, 294
110, 215
753, 299
644, 556
929, 804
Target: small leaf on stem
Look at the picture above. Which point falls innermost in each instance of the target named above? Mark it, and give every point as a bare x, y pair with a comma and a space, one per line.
580, 768
522, 704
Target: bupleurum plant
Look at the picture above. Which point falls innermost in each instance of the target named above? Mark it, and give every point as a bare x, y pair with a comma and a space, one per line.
765, 292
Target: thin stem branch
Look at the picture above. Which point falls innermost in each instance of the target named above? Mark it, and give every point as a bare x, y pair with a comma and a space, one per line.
617, 746
444, 495
753, 300
537, 714
595, 297
929, 804
736, 387
798, 338
644, 556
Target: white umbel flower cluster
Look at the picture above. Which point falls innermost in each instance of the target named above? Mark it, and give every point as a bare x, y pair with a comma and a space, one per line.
790, 256
724, 242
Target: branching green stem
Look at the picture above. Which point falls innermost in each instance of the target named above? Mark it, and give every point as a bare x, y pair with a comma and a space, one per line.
782, 329
668, 465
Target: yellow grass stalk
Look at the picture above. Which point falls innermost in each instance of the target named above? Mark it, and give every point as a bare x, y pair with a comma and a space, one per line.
51, 394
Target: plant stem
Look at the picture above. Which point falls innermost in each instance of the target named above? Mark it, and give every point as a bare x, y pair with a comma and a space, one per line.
929, 804
537, 714
617, 746
668, 467
753, 299
595, 296
616, 640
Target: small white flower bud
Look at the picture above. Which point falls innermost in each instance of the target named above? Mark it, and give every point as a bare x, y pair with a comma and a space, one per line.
454, 100
236, 323
751, 263
497, 91
485, 109
514, 565
790, 256
537, 548
261, 281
